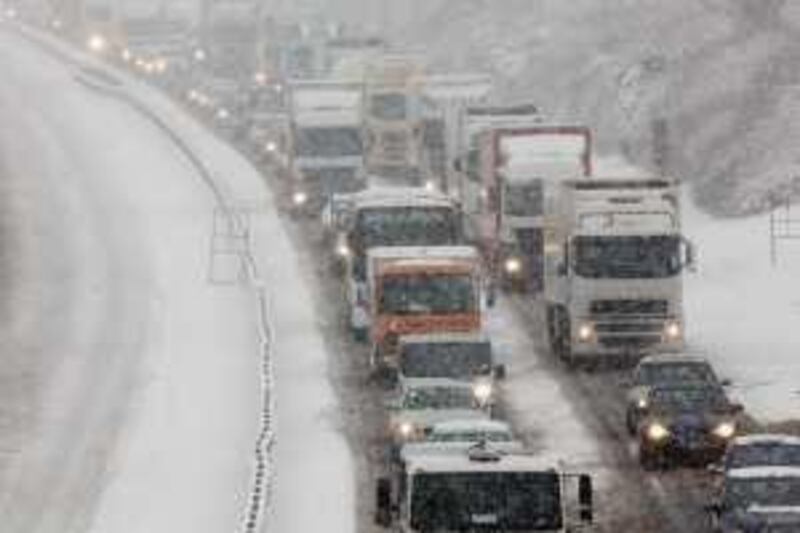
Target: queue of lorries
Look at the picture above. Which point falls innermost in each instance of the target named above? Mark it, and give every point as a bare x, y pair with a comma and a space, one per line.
431, 206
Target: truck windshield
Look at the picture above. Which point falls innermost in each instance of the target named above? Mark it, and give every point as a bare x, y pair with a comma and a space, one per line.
523, 199
439, 398
328, 142
427, 295
446, 359
627, 257
388, 106
486, 501
407, 226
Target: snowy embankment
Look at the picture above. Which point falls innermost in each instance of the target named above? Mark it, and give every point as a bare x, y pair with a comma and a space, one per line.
184, 461
742, 312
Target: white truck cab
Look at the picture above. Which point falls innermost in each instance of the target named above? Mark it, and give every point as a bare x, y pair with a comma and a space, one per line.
614, 259
480, 490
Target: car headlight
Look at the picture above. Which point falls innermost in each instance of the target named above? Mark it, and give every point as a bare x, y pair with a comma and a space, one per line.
673, 330
299, 198
657, 432
641, 403
271, 147
513, 265
405, 430
482, 390
585, 332
342, 250
725, 430
430, 186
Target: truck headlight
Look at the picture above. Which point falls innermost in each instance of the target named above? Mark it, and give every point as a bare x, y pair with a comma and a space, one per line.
512, 265
405, 430
673, 330
641, 403
342, 250
482, 390
657, 432
586, 332
725, 430
96, 43
430, 186
270, 147
299, 198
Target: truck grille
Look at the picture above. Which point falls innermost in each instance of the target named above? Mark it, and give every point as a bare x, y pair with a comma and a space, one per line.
394, 145
629, 307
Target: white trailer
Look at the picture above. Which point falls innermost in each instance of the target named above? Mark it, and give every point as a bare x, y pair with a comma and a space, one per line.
614, 260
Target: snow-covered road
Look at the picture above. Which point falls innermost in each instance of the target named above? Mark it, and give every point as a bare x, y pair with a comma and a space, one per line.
131, 395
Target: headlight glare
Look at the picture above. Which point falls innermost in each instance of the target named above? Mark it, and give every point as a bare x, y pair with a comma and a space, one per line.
657, 432
513, 265
725, 430
586, 332
673, 330
482, 390
299, 198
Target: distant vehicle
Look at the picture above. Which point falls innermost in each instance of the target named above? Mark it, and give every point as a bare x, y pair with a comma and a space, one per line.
758, 499
685, 422
481, 490
764, 449
385, 217
614, 255
665, 370
421, 403
461, 356
421, 289
504, 178
326, 148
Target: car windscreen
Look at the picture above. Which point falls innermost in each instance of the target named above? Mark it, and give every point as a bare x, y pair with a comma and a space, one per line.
676, 373
764, 491
687, 399
446, 359
763, 454
486, 501
438, 398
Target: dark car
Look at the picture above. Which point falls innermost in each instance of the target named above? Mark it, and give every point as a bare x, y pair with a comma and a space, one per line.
685, 422
758, 500
665, 370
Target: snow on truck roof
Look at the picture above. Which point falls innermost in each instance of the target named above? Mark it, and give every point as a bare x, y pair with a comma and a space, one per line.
460, 426
471, 337
468, 461
425, 253
394, 196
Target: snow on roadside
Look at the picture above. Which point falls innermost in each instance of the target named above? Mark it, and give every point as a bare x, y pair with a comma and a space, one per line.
314, 471
741, 312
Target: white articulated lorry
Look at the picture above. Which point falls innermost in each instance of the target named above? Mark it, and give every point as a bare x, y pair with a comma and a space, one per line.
480, 490
326, 148
614, 256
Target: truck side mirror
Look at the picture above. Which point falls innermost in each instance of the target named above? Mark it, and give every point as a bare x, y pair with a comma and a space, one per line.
457, 165
585, 500
690, 256
561, 269
500, 372
383, 502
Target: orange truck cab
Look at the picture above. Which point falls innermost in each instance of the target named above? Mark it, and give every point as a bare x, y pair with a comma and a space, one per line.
417, 289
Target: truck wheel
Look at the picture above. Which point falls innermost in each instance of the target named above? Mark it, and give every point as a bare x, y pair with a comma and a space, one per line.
630, 423
564, 338
359, 334
649, 460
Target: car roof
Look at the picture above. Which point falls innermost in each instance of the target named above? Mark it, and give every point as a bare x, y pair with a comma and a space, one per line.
672, 358
758, 472
766, 438
457, 426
